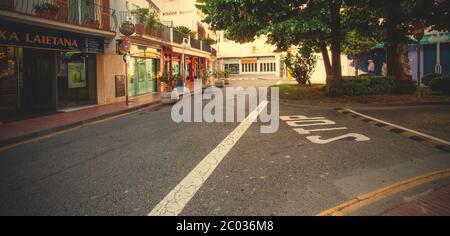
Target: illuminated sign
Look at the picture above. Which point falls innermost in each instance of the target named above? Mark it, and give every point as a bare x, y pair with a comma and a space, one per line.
22, 35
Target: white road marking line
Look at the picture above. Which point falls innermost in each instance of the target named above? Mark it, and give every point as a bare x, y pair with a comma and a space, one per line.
178, 197
400, 127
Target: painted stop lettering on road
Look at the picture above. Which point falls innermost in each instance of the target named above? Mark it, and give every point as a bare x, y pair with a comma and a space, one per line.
299, 123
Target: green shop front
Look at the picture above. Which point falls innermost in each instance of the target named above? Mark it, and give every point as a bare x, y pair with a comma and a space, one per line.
45, 70
142, 70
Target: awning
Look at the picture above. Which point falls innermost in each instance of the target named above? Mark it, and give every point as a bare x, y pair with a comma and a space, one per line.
427, 40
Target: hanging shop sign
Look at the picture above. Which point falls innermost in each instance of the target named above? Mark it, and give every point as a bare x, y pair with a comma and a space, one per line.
127, 28
23, 35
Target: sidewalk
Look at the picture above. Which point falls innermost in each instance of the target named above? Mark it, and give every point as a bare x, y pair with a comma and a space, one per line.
436, 203
22, 130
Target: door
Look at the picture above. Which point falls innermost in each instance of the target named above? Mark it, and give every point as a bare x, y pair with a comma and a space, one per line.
39, 89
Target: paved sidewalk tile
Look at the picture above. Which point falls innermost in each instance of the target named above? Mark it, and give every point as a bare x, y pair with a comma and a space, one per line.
29, 128
436, 203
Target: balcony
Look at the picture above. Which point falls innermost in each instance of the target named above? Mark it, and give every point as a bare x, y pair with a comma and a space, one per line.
158, 31
161, 32
94, 14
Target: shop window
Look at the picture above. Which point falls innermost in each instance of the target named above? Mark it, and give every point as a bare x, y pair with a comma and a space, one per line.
76, 79
9, 82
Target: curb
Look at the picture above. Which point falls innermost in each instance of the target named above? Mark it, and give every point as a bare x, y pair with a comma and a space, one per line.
403, 132
374, 196
152, 106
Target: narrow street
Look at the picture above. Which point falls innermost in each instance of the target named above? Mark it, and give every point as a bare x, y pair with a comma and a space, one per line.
128, 165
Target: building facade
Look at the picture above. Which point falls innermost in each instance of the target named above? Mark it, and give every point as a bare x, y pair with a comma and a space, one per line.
50, 53
249, 59
64, 55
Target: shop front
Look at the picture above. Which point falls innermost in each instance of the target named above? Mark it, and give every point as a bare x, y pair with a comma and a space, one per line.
142, 70
45, 70
174, 64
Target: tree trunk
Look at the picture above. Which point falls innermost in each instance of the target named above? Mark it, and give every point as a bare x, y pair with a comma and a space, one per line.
326, 58
355, 61
395, 41
336, 88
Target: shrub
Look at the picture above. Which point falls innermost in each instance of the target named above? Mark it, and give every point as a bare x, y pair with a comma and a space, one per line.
368, 85
405, 87
427, 78
441, 84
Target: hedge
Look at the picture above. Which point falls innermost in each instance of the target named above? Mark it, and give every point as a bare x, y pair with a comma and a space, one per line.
441, 84
368, 85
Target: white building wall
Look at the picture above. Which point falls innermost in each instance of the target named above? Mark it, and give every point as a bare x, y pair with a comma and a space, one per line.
183, 13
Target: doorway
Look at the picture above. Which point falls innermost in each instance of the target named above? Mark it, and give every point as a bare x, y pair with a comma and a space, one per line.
39, 89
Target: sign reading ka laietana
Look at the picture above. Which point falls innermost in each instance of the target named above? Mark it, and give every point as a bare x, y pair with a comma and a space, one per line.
37, 37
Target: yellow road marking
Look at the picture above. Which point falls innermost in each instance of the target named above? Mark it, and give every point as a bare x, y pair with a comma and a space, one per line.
388, 127
407, 134
432, 142
373, 196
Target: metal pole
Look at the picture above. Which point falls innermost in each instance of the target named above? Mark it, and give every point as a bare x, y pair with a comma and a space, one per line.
184, 69
126, 81
438, 69
418, 68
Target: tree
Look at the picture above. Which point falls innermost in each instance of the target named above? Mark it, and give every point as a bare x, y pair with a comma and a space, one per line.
286, 23
301, 63
356, 45
396, 19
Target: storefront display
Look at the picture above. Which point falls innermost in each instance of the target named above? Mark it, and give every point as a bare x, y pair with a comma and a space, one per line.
44, 70
142, 69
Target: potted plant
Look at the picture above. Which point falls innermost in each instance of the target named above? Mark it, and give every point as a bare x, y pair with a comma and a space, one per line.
168, 84
92, 23
46, 10
142, 15
226, 76
218, 79
204, 76
152, 25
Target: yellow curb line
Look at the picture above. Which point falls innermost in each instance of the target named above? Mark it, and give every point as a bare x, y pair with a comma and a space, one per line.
373, 196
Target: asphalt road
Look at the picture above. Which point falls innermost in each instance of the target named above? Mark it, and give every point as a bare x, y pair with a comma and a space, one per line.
126, 166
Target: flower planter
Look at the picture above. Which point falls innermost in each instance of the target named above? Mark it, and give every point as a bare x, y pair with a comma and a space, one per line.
139, 29
166, 98
226, 81
94, 25
219, 83
46, 15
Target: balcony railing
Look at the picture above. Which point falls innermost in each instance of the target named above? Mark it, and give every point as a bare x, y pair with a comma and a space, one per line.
178, 37
195, 44
158, 31
87, 13
161, 32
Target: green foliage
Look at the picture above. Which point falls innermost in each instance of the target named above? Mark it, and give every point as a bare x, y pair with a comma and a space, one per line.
141, 15
441, 84
368, 85
185, 30
209, 41
204, 75
427, 78
301, 64
226, 74
152, 20
356, 44
46, 7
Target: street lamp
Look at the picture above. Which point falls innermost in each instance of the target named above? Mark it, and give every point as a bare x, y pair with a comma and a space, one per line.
186, 45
